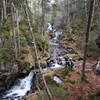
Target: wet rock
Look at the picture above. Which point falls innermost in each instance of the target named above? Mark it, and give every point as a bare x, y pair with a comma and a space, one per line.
10, 79
43, 64
52, 35
7, 78
70, 63
3, 78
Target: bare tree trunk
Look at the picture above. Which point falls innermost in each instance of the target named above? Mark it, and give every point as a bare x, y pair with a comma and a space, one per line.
13, 30
36, 53
4, 10
65, 12
17, 22
75, 4
86, 12
43, 15
68, 17
2, 66
87, 36
98, 13
1, 16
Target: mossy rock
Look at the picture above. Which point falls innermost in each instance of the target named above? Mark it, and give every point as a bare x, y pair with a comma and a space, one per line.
74, 56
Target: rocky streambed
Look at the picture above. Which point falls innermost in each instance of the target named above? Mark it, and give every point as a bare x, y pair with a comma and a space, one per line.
59, 56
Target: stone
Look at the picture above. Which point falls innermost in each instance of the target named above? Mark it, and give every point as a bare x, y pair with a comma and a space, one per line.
73, 56
98, 68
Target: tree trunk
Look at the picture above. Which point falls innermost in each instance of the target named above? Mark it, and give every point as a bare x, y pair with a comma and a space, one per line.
4, 10
17, 22
43, 15
2, 66
13, 30
87, 37
86, 12
36, 53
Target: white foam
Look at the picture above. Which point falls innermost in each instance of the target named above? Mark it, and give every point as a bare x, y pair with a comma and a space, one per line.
52, 43
57, 79
49, 27
22, 87
53, 66
57, 34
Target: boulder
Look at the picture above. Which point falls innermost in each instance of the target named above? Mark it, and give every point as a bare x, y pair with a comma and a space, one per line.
98, 67
73, 56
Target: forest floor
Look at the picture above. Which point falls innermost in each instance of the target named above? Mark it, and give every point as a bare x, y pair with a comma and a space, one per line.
75, 88
83, 90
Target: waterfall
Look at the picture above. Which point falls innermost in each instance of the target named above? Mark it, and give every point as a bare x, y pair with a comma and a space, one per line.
20, 89
49, 27
57, 35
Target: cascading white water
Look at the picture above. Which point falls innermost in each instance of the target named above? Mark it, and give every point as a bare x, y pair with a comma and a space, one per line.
54, 55
20, 89
49, 27
57, 35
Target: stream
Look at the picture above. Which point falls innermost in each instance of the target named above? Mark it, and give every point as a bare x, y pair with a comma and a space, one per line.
19, 89
24, 86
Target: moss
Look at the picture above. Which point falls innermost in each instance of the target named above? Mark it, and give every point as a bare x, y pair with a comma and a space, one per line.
50, 81
75, 81
24, 50
78, 73
42, 42
79, 26
23, 65
65, 71
57, 92
44, 56
31, 59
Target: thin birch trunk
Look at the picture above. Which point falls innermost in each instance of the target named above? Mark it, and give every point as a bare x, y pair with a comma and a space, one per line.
68, 17
75, 4
13, 30
86, 12
17, 22
87, 36
36, 53
43, 16
1, 16
4, 11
